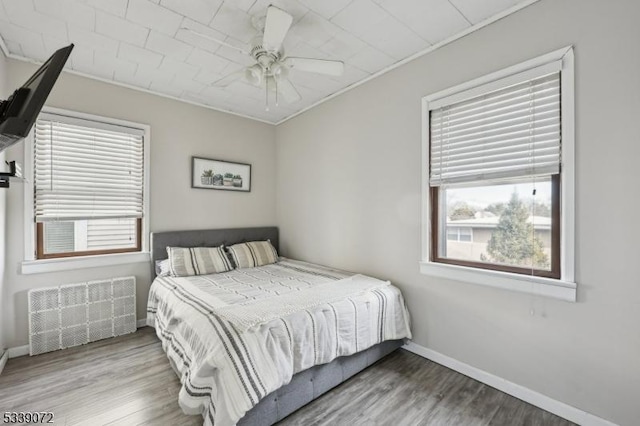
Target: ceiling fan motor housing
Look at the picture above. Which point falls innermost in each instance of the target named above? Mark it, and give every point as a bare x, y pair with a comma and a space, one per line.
264, 56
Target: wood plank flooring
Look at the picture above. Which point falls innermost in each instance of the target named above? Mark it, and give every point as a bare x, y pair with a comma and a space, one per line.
128, 381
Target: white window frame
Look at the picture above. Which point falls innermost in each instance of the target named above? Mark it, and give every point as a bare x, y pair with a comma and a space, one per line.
565, 287
31, 265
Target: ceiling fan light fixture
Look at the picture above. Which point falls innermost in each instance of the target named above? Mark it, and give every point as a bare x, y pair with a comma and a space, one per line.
279, 71
254, 75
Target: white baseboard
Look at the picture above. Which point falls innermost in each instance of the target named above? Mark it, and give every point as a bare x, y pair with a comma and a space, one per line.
532, 397
3, 360
18, 351
141, 323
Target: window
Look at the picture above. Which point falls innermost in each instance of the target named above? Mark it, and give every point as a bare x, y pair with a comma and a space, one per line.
513, 228
498, 168
88, 187
455, 233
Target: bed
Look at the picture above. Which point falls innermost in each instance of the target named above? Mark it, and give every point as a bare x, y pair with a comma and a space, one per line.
241, 356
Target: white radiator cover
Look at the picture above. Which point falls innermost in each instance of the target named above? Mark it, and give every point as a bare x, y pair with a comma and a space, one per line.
75, 314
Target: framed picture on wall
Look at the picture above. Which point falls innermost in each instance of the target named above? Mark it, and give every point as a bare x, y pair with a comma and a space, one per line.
207, 173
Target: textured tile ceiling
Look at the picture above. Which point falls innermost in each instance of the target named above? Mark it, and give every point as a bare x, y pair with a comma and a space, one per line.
143, 43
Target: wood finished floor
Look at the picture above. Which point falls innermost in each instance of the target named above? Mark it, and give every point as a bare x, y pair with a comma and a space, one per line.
128, 381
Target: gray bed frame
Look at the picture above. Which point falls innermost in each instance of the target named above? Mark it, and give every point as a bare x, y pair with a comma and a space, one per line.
306, 385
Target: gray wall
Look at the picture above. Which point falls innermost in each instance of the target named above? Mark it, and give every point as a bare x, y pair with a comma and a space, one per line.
4, 89
349, 196
178, 131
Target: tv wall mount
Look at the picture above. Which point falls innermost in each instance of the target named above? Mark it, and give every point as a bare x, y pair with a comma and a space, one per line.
14, 174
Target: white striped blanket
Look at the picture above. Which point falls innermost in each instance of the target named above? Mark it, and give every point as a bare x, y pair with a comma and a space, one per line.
227, 363
247, 315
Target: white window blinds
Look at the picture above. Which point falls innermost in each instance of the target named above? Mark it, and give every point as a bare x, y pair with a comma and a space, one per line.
87, 170
510, 132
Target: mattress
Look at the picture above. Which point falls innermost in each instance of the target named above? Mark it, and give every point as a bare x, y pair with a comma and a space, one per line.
295, 315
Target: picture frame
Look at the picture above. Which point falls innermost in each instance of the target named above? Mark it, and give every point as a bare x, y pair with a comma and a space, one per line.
209, 173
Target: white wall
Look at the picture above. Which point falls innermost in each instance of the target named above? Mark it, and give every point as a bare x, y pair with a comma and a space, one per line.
348, 186
178, 131
4, 93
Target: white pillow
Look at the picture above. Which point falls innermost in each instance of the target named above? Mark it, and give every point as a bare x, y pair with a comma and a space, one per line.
184, 262
254, 253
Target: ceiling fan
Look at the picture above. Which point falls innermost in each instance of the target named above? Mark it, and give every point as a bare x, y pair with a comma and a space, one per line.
272, 67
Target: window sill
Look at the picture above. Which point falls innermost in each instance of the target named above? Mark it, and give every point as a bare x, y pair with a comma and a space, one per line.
556, 289
65, 264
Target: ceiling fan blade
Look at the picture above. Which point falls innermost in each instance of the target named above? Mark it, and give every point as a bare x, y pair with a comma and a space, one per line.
321, 66
276, 26
288, 91
221, 42
228, 79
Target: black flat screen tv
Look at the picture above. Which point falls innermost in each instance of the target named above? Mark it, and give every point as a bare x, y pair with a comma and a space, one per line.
19, 112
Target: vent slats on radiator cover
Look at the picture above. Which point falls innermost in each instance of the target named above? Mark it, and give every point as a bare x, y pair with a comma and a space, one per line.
75, 314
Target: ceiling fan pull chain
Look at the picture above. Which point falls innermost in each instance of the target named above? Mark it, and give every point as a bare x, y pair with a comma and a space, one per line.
266, 90
275, 82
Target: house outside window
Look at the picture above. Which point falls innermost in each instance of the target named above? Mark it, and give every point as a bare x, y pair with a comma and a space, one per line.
468, 239
498, 177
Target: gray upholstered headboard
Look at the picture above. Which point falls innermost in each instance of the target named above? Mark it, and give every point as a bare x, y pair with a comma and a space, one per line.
207, 238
